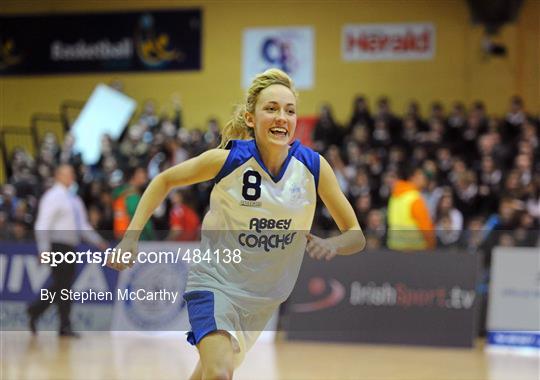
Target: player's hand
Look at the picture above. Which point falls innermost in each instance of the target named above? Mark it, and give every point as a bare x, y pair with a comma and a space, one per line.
319, 249
126, 245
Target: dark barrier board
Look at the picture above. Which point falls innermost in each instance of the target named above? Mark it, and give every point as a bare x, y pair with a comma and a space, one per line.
386, 297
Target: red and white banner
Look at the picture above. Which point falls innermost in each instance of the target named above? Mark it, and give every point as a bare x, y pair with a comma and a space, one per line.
388, 42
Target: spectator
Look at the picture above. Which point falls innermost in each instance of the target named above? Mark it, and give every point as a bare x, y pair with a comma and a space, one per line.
334, 159
466, 193
448, 219
391, 121
362, 206
361, 117
184, 222
125, 201
374, 229
326, 132
516, 115
473, 236
409, 224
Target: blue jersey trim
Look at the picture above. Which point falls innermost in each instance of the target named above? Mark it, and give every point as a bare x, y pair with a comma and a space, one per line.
242, 150
238, 155
257, 156
200, 304
311, 159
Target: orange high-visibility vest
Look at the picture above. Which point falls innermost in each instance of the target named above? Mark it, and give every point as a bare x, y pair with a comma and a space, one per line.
121, 216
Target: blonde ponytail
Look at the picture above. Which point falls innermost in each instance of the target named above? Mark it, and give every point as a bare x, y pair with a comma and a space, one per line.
236, 128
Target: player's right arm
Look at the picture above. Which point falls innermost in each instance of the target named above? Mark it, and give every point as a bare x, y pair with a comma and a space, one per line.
198, 169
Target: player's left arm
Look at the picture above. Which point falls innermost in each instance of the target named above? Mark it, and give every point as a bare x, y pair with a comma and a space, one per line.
351, 239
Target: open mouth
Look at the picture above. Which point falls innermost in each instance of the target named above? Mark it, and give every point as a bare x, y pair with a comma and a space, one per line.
279, 131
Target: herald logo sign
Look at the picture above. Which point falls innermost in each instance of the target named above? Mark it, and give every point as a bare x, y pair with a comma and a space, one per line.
388, 42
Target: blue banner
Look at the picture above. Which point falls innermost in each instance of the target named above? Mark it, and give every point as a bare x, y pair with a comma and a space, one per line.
22, 277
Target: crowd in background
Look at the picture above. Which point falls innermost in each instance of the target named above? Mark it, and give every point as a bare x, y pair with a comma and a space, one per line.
483, 171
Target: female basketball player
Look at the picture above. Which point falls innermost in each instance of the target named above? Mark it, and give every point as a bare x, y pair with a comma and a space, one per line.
263, 204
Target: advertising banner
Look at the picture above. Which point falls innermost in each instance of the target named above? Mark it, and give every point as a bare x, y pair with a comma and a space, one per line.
388, 42
386, 297
289, 49
147, 297
23, 278
168, 312
101, 42
514, 298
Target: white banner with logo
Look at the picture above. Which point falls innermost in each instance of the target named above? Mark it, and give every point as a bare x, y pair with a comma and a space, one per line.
514, 298
388, 42
165, 282
289, 49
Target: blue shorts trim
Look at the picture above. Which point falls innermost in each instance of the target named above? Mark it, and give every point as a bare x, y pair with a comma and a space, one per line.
200, 304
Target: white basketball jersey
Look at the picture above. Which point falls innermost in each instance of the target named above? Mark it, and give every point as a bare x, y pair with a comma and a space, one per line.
266, 218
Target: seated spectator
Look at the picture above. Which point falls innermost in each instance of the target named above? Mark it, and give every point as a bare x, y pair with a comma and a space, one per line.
526, 233
326, 132
333, 156
184, 222
375, 229
473, 236
448, 219
516, 115
360, 115
381, 137
391, 121
466, 193
360, 184
362, 207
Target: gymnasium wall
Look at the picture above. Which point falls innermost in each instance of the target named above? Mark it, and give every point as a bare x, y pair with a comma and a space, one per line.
459, 71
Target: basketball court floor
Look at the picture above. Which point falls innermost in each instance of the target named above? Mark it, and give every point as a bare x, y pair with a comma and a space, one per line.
134, 356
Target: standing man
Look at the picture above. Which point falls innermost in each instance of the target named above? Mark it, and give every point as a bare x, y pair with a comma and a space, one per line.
410, 227
60, 226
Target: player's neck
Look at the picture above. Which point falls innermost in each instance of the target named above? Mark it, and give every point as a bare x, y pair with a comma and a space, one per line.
273, 157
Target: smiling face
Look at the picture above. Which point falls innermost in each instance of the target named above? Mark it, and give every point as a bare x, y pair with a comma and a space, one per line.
274, 119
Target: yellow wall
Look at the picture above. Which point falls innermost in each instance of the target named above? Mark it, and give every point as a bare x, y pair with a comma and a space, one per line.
458, 72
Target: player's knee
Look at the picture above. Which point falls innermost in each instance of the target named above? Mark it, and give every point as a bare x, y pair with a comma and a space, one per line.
217, 372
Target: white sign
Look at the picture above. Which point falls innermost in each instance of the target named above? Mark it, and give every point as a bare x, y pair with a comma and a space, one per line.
288, 49
106, 111
514, 297
388, 42
168, 312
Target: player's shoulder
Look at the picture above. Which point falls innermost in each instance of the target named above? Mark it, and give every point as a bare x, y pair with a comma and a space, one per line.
237, 152
214, 155
308, 157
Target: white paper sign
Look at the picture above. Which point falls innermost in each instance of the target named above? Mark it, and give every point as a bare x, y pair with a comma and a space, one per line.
106, 111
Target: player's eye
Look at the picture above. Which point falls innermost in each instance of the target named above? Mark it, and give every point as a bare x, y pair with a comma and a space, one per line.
291, 112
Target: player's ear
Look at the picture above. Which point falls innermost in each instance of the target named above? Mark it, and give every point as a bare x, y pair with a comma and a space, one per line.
249, 119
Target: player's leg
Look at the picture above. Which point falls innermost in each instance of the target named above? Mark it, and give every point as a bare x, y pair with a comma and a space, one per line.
217, 356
